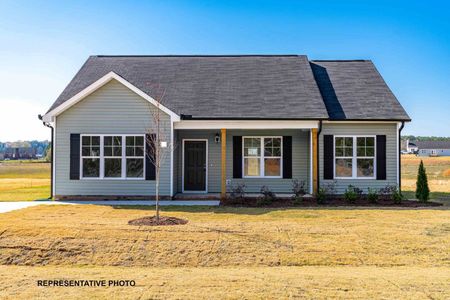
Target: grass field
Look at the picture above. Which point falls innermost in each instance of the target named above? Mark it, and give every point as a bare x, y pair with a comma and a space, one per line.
438, 172
24, 180
228, 253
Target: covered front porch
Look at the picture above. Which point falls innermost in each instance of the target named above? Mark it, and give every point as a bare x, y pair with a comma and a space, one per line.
213, 157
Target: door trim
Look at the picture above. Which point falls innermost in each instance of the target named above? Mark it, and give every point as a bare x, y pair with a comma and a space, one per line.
182, 167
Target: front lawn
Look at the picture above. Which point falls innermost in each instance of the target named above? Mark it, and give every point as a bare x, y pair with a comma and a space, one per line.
229, 252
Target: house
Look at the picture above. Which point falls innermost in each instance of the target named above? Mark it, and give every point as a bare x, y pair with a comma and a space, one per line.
433, 148
20, 153
411, 147
251, 119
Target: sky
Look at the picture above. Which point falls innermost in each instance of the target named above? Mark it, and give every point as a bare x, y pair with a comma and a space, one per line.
44, 43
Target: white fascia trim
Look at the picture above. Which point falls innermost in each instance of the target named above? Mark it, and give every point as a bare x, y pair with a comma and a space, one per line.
49, 117
311, 162
54, 160
172, 149
364, 122
245, 124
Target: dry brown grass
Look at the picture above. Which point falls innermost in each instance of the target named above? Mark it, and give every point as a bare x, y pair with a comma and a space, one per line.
228, 252
232, 283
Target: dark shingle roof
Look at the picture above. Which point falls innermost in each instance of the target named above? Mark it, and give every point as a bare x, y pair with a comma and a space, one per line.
432, 144
254, 86
355, 90
251, 86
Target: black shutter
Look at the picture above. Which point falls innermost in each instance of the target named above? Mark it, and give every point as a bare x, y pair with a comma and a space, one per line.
381, 157
150, 171
237, 156
287, 156
328, 158
74, 156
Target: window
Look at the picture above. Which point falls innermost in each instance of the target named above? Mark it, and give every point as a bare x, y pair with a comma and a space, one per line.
262, 156
112, 156
135, 156
90, 156
354, 156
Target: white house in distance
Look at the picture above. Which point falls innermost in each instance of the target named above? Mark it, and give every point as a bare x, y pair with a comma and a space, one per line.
411, 147
433, 148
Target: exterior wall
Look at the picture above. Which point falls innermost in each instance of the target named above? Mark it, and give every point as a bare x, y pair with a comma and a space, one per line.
112, 109
439, 152
300, 159
388, 129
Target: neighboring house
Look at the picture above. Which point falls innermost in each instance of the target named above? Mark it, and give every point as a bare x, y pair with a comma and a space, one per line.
411, 147
245, 119
20, 153
433, 148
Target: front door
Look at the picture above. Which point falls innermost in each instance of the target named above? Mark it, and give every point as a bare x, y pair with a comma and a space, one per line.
195, 166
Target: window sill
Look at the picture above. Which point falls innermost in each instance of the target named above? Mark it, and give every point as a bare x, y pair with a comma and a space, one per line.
112, 178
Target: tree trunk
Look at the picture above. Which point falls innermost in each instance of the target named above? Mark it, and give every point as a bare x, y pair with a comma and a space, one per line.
157, 195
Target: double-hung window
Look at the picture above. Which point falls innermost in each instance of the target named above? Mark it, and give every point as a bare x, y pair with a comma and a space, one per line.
112, 156
354, 157
262, 156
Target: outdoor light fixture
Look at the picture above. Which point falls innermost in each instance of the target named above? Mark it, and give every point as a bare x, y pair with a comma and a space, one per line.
163, 144
217, 138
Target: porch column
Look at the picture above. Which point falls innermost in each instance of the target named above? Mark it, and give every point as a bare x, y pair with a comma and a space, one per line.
223, 191
314, 160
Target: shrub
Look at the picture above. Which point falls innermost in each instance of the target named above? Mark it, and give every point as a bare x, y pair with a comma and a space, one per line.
267, 196
326, 191
372, 195
298, 188
396, 196
422, 189
237, 193
352, 194
321, 195
391, 192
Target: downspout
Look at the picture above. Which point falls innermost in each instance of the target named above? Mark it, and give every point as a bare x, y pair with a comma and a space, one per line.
400, 157
317, 154
51, 157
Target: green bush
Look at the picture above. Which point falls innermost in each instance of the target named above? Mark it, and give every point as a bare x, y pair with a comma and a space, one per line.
372, 195
422, 189
321, 195
267, 196
351, 194
396, 196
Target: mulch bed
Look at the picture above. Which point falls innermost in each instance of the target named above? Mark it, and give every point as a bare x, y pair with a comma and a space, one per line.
163, 221
311, 202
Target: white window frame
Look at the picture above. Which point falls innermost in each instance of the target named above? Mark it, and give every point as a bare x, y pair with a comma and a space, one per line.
354, 157
262, 157
102, 158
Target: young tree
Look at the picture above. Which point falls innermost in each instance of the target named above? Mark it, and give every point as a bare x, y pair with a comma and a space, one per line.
159, 143
422, 190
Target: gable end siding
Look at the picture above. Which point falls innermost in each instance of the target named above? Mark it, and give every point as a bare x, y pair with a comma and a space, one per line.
112, 109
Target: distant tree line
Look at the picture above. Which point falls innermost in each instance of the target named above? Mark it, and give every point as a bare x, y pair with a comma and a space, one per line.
424, 138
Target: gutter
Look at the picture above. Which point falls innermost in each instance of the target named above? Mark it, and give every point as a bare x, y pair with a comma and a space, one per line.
317, 154
46, 124
400, 157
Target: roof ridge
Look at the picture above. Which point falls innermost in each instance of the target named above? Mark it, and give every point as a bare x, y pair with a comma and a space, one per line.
206, 55
340, 60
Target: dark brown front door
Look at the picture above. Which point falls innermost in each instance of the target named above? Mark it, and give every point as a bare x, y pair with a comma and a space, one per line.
195, 165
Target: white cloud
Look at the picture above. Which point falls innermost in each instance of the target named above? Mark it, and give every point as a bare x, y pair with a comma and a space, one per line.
19, 121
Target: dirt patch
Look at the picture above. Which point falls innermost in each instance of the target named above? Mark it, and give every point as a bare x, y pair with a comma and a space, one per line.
312, 202
163, 221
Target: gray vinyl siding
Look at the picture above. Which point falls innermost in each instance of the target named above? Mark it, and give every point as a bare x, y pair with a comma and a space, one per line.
300, 159
112, 109
388, 129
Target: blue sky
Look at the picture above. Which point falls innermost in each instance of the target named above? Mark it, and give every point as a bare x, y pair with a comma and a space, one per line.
44, 43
